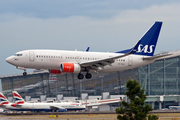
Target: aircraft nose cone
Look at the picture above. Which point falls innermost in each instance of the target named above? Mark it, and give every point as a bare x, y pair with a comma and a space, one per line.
10, 59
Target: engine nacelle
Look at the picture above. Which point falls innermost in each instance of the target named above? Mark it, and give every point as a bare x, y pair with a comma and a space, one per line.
70, 68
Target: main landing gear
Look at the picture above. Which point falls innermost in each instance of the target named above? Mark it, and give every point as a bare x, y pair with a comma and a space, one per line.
88, 76
81, 76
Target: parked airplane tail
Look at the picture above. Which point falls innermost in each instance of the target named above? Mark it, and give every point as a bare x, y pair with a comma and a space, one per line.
147, 44
18, 99
3, 99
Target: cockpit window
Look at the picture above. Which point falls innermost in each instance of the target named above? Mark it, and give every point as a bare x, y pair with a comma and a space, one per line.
18, 54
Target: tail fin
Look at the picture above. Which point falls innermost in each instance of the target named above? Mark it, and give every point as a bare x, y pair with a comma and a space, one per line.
147, 44
3, 99
18, 99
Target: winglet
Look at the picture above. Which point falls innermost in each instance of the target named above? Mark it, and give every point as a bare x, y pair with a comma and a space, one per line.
147, 44
87, 49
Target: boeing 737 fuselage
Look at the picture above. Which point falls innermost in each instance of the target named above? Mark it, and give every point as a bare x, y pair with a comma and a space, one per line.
59, 61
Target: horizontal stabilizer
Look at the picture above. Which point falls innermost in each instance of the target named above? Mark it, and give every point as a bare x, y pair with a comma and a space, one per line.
18, 106
155, 57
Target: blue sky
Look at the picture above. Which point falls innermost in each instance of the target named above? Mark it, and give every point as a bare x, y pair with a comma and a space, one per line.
103, 25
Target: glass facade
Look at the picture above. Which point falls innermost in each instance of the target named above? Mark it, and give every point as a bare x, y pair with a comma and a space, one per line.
69, 85
31, 85
159, 78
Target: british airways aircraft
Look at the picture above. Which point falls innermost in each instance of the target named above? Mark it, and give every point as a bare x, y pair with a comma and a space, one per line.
59, 61
20, 104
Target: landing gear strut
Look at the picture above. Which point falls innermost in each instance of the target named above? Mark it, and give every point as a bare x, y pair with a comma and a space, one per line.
24, 73
22, 68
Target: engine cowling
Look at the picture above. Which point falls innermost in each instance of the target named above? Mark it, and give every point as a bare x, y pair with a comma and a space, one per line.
55, 71
70, 68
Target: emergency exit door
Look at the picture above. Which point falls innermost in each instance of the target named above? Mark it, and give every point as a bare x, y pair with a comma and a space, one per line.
31, 56
130, 60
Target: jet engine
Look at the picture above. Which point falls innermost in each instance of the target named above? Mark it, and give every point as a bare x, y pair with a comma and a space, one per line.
70, 68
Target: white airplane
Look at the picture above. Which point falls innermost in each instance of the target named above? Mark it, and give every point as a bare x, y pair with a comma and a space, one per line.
59, 61
47, 107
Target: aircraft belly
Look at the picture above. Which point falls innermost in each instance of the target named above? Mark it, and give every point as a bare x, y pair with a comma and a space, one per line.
47, 65
35, 107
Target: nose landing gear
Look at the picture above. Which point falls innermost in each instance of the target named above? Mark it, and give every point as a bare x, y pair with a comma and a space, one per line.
24, 73
22, 68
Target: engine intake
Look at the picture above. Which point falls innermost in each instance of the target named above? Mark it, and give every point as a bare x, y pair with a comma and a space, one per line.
70, 68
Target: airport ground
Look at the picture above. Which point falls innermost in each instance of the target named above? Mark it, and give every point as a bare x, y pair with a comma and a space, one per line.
162, 116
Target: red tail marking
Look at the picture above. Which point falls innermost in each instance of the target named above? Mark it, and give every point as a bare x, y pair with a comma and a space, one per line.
2, 96
4, 103
16, 95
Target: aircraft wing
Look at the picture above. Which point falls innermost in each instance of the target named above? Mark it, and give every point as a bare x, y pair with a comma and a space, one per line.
95, 64
90, 103
100, 63
107, 101
54, 107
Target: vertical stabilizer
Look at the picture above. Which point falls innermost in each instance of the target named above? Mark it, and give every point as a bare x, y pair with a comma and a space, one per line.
3, 99
147, 44
18, 99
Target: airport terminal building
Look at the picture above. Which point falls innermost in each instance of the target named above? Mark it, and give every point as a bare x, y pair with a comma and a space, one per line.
161, 81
